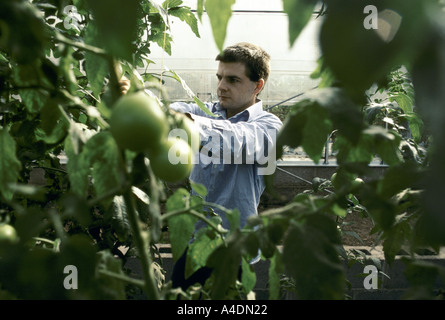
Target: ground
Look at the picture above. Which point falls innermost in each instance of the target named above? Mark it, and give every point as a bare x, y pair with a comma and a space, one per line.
362, 226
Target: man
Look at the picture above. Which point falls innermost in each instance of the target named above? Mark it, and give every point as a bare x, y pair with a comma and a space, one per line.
236, 144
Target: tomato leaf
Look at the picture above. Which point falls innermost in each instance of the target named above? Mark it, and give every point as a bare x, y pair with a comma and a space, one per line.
53, 127
422, 275
117, 22
316, 131
50, 115
99, 157
96, 67
110, 287
187, 16
394, 239
248, 275
33, 99
9, 164
200, 189
399, 177
102, 154
77, 166
428, 80
200, 249
314, 263
361, 152
234, 218
386, 144
200, 9
299, 13
219, 12
291, 134
181, 226
362, 51
161, 10
225, 261
117, 215
190, 93
275, 270
323, 73
312, 120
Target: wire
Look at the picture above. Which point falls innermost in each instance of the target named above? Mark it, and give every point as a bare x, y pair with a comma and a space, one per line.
293, 97
302, 179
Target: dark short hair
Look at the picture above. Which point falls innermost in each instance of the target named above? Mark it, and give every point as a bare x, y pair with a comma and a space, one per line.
256, 60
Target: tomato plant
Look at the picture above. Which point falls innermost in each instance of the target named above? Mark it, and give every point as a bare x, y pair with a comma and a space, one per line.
78, 184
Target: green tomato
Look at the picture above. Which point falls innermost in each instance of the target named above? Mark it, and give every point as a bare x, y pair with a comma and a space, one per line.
138, 122
192, 133
8, 234
172, 161
357, 183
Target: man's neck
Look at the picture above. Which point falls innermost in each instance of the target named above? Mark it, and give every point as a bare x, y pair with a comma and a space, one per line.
230, 113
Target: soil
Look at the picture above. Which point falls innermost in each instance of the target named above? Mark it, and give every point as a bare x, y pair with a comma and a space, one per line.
362, 226
354, 222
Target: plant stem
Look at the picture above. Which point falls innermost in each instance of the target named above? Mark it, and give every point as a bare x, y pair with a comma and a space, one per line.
115, 76
58, 225
209, 223
123, 278
150, 285
173, 213
53, 169
64, 114
62, 39
193, 212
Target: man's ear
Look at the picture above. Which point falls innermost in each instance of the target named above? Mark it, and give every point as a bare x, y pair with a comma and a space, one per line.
259, 86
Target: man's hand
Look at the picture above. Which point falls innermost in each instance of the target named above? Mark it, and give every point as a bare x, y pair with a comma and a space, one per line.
124, 85
187, 114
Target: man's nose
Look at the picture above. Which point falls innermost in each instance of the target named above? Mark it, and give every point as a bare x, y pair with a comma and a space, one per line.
222, 85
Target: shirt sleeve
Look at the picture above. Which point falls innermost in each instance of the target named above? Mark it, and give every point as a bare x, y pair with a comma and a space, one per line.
244, 142
191, 108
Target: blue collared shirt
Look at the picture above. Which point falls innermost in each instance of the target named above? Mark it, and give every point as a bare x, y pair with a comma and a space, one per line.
235, 155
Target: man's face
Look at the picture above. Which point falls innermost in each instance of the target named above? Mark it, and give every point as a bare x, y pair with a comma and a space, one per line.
235, 90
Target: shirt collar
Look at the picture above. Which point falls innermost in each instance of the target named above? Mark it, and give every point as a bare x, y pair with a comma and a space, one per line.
250, 113
256, 109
